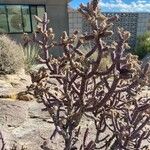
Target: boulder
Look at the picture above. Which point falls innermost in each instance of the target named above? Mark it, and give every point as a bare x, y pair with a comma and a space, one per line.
25, 124
12, 84
12, 113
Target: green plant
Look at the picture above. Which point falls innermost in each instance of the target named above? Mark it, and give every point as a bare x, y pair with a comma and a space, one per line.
31, 54
143, 45
11, 56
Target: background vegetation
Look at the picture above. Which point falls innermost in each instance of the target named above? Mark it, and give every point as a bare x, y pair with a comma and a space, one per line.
11, 56
143, 45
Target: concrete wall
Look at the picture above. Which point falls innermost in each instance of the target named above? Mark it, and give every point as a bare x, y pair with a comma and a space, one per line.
75, 21
143, 23
134, 22
57, 13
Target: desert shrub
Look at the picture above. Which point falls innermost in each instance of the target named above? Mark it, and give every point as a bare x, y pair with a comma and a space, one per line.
31, 54
11, 56
143, 45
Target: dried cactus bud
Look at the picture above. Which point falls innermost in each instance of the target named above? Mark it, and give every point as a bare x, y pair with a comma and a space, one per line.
121, 33
101, 17
109, 25
126, 46
64, 35
76, 32
50, 30
52, 36
113, 46
45, 18
113, 18
45, 33
108, 33
89, 18
129, 56
39, 29
64, 38
25, 34
41, 46
135, 57
82, 6
95, 33
103, 25
126, 35
38, 19
82, 39
74, 36
130, 67
94, 4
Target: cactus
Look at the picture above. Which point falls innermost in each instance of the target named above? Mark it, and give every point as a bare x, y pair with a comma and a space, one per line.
109, 98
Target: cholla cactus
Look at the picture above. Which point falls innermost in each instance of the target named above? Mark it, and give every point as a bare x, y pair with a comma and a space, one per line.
108, 98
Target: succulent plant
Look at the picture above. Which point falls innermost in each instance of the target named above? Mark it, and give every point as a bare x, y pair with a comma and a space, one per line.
71, 90
107, 97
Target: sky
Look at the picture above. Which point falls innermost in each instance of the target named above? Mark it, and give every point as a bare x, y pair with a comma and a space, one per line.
118, 5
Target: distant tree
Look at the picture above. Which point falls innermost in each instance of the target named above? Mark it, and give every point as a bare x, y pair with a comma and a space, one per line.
143, 45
